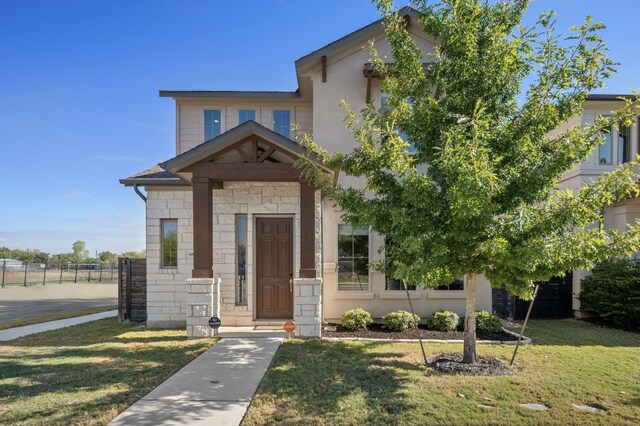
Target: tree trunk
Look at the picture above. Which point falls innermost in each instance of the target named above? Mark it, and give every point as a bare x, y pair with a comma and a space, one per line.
469, 355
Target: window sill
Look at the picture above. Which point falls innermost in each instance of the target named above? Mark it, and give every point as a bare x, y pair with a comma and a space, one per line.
351, 295
168, 269
446, 294
399, 294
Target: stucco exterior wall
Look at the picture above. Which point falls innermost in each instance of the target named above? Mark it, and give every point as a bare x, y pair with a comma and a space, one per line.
190, 117
377, 300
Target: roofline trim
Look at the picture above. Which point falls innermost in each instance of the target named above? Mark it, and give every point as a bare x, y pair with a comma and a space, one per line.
160, 182
608, 97
228, 94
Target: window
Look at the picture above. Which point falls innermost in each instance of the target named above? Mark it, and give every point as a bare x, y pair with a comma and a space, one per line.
282, 122
392, 284
241, 259
624, 144
454, 285
383, 105
353, 258
605, 150
212, 123
169, 230
246, 115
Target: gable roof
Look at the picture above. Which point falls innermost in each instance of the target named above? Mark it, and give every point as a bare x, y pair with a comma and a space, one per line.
243, 131
351, 38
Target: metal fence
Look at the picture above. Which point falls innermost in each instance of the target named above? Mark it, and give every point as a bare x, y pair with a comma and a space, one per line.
24, 273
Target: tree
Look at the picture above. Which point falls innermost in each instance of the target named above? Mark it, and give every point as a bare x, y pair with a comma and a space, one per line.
135, 254
108, 257
460, 171
80, 252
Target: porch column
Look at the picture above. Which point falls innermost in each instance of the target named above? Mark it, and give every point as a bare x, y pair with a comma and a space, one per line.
202, 228
307, 230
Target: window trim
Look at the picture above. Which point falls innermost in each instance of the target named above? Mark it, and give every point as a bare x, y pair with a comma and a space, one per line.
627, 136
222, 119
368, 290
273, 121
162, 222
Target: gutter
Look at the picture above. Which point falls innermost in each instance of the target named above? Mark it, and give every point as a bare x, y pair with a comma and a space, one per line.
140, 194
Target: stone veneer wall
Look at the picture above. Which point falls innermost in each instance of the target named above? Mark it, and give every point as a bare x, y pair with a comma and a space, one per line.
253, 199
166, 297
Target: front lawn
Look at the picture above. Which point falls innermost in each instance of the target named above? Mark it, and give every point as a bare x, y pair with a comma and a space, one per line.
321, 382
88, 373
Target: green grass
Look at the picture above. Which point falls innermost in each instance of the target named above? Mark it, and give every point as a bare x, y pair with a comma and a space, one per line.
88, 373
326, 383
56, 316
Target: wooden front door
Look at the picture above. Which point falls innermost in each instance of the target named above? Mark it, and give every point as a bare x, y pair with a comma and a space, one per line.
274, 253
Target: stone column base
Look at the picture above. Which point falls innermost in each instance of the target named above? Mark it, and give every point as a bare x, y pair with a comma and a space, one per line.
307, 306
203, 302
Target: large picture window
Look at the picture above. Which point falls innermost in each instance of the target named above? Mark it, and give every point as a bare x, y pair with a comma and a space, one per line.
169, 235
353, 258
282, 122
212, 123
453, 285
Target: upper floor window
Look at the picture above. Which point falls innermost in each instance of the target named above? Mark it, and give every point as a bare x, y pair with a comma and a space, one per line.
624, 144
353, 258
246, 115
384, 99
212, 123
169, 237
282, 122
605, 150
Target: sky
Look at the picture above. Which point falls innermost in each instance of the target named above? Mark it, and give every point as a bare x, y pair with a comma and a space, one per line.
79, 82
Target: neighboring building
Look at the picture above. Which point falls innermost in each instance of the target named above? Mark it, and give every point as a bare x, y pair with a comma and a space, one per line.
230, 212
622, 144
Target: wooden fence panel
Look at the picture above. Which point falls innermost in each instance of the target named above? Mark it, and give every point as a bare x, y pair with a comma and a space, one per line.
132, 289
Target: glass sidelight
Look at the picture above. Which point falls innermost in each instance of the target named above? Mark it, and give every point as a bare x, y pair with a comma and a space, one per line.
241, 259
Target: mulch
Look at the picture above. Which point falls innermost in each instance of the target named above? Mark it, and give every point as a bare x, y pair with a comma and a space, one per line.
451, 363
377, 331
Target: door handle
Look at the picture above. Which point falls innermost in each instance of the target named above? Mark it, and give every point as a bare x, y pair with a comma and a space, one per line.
290, 285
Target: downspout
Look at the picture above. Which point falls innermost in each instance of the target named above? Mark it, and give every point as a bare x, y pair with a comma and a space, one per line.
140, 194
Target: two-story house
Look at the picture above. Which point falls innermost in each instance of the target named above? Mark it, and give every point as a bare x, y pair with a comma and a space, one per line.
233, 230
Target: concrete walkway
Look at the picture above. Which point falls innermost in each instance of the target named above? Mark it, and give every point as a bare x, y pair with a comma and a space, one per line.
214, 389
14, 333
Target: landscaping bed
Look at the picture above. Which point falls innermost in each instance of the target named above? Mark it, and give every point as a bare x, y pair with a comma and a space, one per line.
378, 331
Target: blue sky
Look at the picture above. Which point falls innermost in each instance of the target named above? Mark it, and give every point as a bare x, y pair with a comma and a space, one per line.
79, 83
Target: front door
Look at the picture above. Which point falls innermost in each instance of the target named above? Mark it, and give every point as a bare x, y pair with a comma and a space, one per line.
274, 270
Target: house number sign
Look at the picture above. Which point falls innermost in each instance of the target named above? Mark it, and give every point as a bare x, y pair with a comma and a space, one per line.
215, 323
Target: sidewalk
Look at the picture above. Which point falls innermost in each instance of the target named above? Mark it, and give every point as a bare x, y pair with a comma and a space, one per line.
14, 333
214, 389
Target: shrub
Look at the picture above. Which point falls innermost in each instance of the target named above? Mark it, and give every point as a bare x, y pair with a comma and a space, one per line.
400, 320
355, 319
487, 323
612, 292
443, 321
